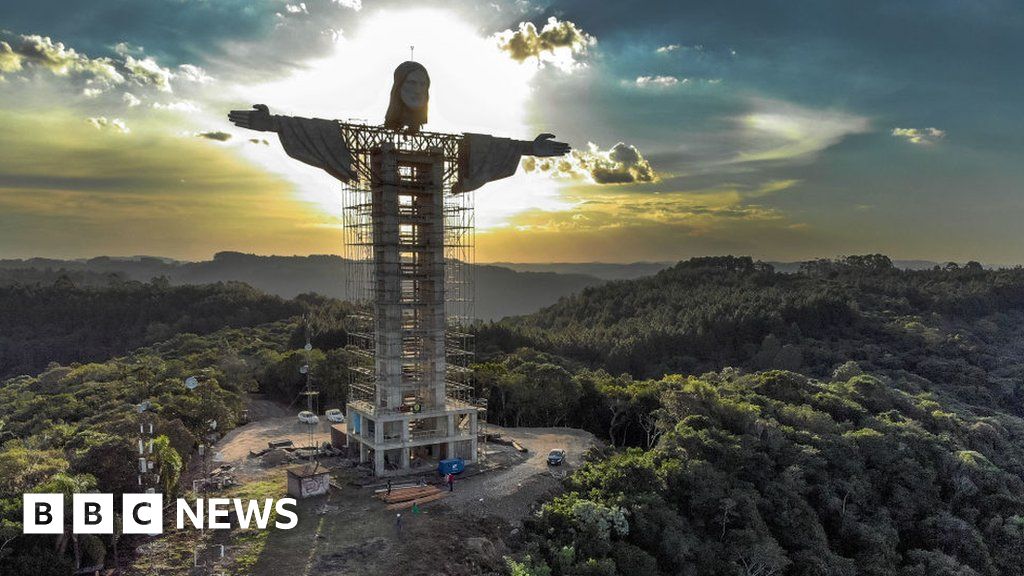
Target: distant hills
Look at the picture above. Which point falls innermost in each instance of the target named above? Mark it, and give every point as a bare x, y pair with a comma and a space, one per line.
708, 313
633, 270
602, 270
500, 291
502, 288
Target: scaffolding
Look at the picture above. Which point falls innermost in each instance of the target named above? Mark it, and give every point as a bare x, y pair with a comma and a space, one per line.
409, 249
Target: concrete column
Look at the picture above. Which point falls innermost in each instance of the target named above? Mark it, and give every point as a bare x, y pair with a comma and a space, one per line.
435, 307
378, 462
472, 435
387, 282
405, 458
363, 450
451, 434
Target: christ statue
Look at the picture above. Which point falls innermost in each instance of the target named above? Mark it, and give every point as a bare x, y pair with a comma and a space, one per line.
319, 142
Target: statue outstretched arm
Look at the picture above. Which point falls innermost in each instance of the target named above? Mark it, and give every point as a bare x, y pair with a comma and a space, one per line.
484, 158
258, 118
314, 141
544, 145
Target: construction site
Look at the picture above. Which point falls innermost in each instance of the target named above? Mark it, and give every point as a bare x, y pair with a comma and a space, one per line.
413, 472
409, 242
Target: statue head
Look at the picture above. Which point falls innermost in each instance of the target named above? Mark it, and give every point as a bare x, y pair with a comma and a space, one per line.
409, 97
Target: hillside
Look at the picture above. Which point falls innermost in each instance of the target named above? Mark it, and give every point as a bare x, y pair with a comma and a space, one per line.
500, 291
848, 419
891, 443
630, 271
953, 325
72, 428
63, 322
602, 270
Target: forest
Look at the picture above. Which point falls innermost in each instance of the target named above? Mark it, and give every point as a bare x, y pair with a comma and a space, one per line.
71, 427
849, 418
47, 319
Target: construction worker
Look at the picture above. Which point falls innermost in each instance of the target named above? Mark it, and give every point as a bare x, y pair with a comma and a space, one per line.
451, 482
389, 488
398, 522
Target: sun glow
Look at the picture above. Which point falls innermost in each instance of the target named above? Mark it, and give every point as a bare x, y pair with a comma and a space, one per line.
474, 87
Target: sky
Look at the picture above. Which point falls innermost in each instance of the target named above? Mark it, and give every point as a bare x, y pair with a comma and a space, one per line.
780, 129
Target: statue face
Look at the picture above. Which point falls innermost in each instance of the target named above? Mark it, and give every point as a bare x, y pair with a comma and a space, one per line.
414, 90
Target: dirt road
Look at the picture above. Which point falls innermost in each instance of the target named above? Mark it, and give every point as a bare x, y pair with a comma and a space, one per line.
349, 532
512, 492
271, 421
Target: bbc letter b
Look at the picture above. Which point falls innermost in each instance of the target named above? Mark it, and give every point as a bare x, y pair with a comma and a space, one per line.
43, 513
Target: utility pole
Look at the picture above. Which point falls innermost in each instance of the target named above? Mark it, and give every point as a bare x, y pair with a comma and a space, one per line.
147, 482
309, 392
205, 427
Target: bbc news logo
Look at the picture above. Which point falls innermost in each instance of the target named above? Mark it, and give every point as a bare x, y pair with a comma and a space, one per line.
143, 513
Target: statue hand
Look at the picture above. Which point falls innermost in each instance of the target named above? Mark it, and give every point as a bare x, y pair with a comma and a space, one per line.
544, 145
258, 118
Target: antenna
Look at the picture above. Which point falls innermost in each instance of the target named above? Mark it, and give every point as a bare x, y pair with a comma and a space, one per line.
309, 393
412, 50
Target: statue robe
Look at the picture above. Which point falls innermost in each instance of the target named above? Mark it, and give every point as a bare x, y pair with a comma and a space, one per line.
319, 143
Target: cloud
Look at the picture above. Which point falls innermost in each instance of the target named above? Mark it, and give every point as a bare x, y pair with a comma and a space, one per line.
660, 81
193, 73
67, 189
776, 130
99, 74
217, 135
296, 8
130, 99
262, 141
613, 224
622, 164
146, 71
124, 48
558, 42
919, 135
668, 48
43, 52
115, 124
10, 61
179, 106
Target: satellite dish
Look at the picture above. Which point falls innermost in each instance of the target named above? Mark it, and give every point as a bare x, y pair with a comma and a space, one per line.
308, 346
143, 407
213, 424
304, 369
191, 382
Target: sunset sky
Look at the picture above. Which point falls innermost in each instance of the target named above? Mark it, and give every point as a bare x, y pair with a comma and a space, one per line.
782, 129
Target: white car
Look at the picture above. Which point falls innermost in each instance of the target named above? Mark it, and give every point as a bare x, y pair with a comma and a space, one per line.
307, 417
335, 415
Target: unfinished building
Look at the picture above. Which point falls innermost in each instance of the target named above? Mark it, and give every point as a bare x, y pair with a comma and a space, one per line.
409, 242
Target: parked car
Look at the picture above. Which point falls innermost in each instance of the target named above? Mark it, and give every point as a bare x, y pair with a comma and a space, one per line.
335, 415
307, 417
556, 457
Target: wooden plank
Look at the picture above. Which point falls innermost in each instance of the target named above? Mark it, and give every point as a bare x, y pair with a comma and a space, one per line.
409, 494
420, 501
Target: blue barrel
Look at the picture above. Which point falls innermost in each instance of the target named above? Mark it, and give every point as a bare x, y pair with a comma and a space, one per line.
451, 466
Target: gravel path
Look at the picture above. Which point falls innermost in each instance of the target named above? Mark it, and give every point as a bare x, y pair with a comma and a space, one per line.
270, 421
512, 492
